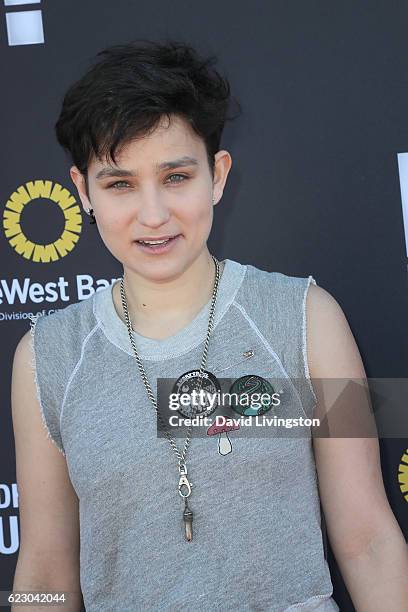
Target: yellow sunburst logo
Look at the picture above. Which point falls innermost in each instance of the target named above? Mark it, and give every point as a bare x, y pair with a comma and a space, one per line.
55, 193
403, 475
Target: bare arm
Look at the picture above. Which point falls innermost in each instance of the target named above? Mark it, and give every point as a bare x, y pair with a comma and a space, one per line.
365, 536
48, 557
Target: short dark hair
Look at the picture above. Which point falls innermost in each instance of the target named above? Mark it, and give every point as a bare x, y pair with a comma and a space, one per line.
126, 92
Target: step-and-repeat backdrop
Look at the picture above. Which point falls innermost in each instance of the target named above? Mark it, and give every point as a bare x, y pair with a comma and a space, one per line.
319, 183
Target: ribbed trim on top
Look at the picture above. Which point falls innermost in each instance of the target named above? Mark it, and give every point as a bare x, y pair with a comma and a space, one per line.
187, 338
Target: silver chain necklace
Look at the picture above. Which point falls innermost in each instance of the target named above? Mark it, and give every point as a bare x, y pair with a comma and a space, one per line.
184, 485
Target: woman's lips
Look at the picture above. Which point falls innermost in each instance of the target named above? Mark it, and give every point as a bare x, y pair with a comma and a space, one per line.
159, 248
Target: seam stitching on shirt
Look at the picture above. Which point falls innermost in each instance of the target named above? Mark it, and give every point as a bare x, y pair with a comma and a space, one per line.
76, 368
310, 279
270, 350
308, 601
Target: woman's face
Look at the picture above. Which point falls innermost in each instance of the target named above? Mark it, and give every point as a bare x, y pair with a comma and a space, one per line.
142, 198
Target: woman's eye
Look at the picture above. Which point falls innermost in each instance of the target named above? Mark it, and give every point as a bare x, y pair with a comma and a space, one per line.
119, 183
183, 176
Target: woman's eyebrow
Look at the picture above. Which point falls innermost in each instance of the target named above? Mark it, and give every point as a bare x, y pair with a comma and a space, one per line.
174, 163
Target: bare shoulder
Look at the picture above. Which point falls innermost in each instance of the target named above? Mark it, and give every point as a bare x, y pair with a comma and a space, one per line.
331, 346
321, 304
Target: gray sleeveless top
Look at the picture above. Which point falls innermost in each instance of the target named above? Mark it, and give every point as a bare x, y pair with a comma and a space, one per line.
257, 538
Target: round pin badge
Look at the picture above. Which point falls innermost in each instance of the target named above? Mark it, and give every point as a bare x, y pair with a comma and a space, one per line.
251, 395
189, 382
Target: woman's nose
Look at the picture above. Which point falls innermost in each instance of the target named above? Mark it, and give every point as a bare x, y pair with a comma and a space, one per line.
152, 210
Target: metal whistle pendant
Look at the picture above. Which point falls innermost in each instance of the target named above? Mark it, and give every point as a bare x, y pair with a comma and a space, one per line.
188, 521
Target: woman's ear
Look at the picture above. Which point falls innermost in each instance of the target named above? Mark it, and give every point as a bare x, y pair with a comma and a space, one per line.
222, 166
79, 181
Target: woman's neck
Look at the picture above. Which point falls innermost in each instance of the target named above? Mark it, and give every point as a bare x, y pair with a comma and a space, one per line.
158, 310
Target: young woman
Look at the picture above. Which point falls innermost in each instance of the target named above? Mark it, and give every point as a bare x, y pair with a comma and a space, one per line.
138, 521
